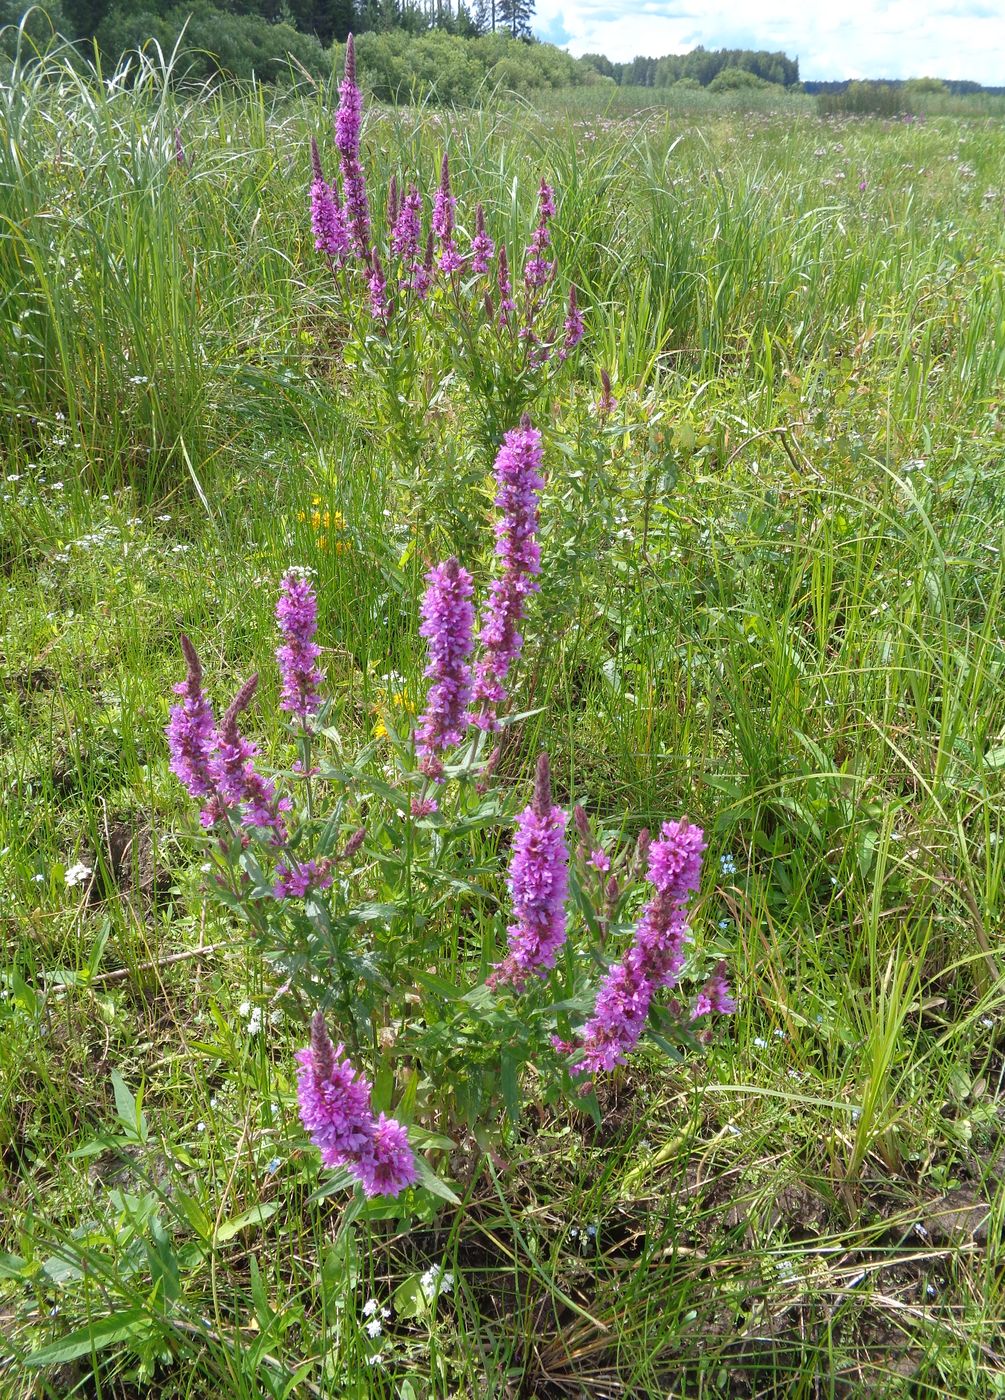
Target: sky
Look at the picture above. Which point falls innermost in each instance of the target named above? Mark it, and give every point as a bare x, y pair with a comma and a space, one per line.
831, 38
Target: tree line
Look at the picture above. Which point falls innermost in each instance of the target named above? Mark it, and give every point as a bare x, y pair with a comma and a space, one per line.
700, 67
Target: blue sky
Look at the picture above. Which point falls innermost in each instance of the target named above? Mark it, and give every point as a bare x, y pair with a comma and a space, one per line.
837, 39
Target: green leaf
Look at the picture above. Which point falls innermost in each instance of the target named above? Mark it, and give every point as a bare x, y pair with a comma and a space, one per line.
119, 1327
250, 1220
24, 995
433, 1183
127, 1110
409, 1299
340, 1180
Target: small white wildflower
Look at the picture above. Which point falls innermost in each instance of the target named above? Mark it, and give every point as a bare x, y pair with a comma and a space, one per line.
760, 1042
244, 1009
200, 1127
77, 874
255, 1021
374, 1327
370, 1307
38, 879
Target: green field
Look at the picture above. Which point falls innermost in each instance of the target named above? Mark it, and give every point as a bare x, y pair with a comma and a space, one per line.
771, 599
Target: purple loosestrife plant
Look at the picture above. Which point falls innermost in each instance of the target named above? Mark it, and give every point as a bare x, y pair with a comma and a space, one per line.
607, 403
519, 480
348, 122
574, 328
296, 882
191, 729
482, 247
656, 956
336, 1112
327, 222
237, 783
380, 305
538, 268
297, 615
443, 222
407, 231
387, 1165
538, 886
715, 998
447, 622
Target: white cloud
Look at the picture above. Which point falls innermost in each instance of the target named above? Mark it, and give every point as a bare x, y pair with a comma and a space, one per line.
854, 39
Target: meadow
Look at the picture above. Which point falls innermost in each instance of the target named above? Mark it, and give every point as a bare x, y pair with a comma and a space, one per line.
770, 591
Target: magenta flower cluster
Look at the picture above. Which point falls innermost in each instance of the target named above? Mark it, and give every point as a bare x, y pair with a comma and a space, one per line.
458, 698
656, 956
538, 886
218, 763
297, 615
348, 123
443, 222
447, 623
538, 268
336, 1111
518, 482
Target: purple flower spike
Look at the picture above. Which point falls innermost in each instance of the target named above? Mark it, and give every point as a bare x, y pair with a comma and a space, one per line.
656, 956
482, 247
347, 128
387, 1165
715, 997
237, 782
328, 223
407, 229
191, 728
297, 615
294, 883
574, 328
538, 268
380, 306
607, 403
349, 117
336, 1110
334, 1100
538, 886
447, 622
317, 169
519, 480
443, 222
